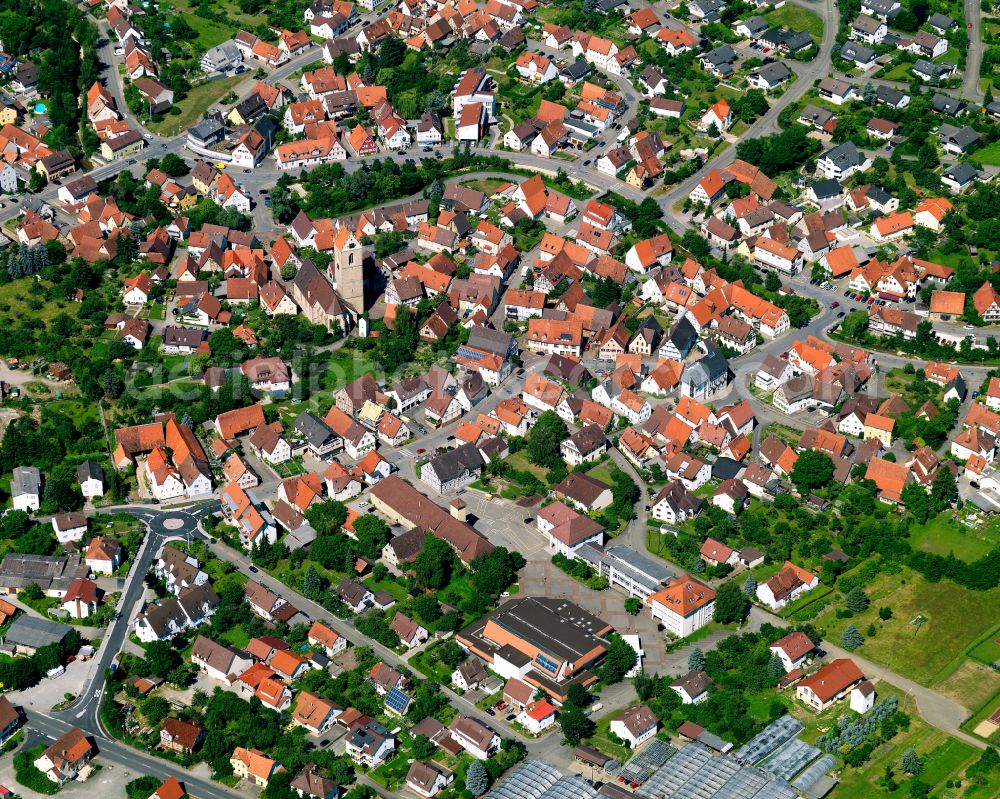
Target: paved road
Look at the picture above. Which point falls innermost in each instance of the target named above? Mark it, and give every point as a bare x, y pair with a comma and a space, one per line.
806, 74
937, 710
161, 524
974, 55
134, 762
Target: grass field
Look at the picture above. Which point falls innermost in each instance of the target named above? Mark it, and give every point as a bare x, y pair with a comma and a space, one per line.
944, 758
988, 651
899, 72
486, 185
972, 684
944, 535
989, 155
210, 33
914, 393
194, 105
24, 298
929, 653
797, 18
519, 461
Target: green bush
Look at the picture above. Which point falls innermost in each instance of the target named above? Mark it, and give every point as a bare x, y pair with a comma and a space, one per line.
30, 777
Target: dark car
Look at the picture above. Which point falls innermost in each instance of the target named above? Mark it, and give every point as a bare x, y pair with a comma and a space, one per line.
254, 569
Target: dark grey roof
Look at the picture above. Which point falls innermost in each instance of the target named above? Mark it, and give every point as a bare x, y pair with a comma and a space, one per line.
489, 340
774, 72
855, 51
35, 632
933, 71
723, 54
825, 189
755, 23
313, 429
89, 470
577, 70
552, 625
964, 138
888, 95
878, 195
453, 463
795, 41
25, 480
845, 155
208, 129
961, 173
708, 368
944, 104
941, 21
683, 335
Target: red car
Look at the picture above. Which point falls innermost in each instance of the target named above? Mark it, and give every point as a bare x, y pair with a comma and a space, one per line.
421, 451
835, 304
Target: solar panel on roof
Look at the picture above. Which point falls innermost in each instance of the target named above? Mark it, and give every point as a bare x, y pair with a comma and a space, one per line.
397, 700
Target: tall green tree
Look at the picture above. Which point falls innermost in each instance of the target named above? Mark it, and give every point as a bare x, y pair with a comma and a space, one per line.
545, 438
435, 564
813, 469
730, 603
618, 661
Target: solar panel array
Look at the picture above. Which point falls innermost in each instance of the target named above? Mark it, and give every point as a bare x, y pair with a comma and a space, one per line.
397, 701
790, 758
808, 778
641, 767
768, 740
695, 773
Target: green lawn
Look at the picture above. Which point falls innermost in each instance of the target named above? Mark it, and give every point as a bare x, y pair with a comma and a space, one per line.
198, 100
24, 298
486, 185
944, 758
797, 18
236, 636
945, 535
602, 472
520, 462
988, 651
389, 586
933, 651
427, 663
210, 33
899, 72
989, 155
913, 392
601, 739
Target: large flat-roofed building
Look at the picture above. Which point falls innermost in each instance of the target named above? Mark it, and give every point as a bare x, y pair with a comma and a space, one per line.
626, 569
28, 634
52, 574
545, 642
